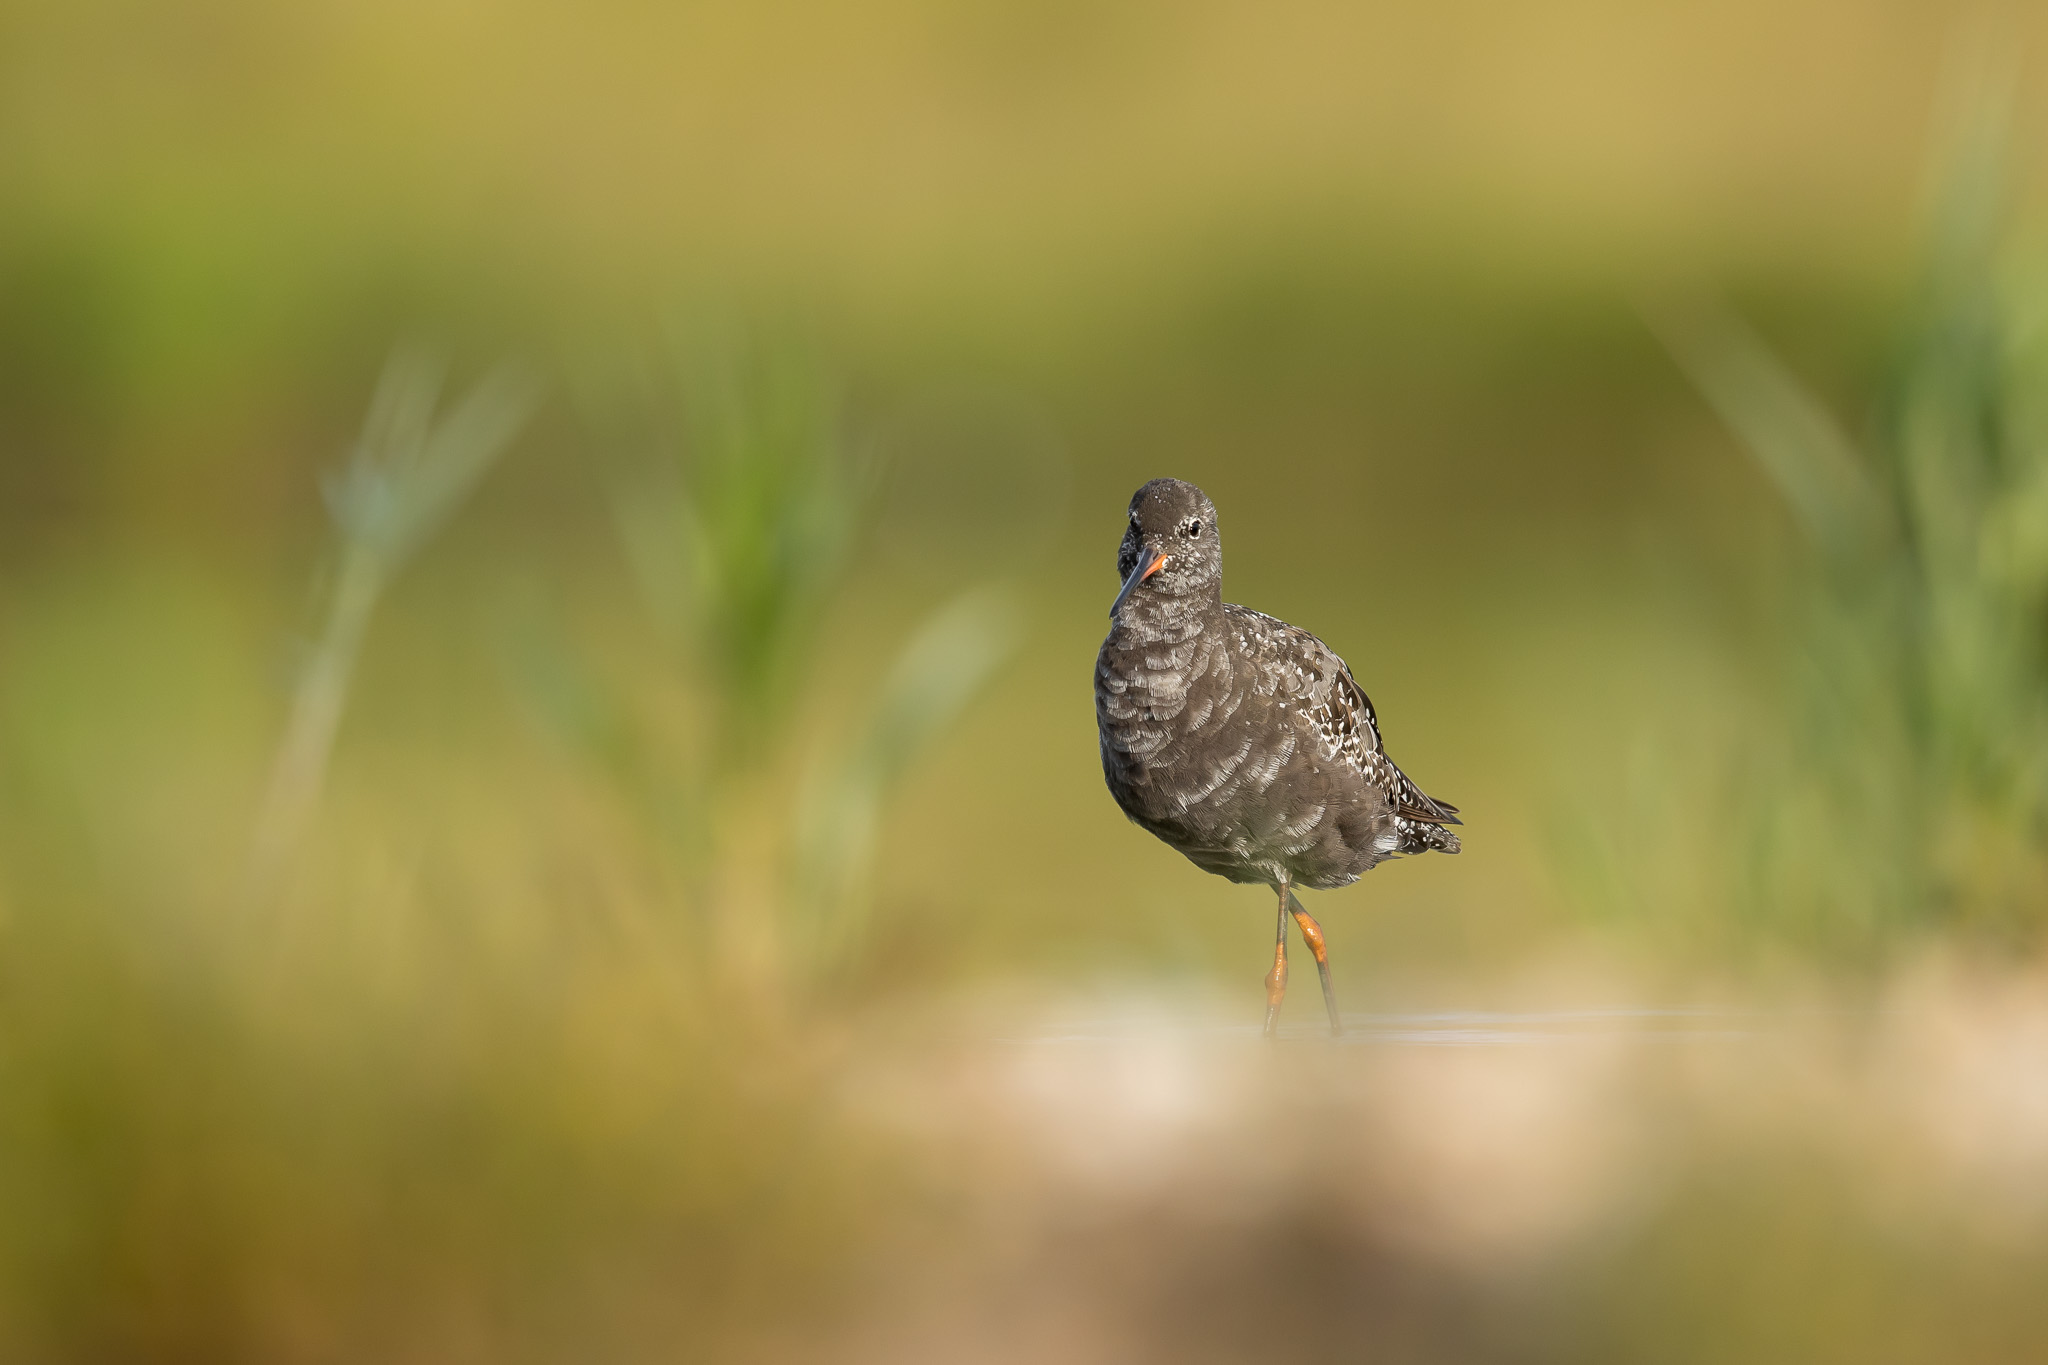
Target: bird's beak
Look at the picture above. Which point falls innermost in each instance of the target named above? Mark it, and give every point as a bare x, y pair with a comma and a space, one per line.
1149, 562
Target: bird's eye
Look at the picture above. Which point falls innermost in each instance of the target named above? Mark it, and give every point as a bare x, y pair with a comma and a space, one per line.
1194, 528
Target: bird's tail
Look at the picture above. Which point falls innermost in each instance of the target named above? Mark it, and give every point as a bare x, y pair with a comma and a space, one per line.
1420, 837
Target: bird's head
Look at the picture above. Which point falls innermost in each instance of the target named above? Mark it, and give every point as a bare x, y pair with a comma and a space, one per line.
1171, 548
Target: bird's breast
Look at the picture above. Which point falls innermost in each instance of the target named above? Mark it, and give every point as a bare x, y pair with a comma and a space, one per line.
1178, 690
1176, 734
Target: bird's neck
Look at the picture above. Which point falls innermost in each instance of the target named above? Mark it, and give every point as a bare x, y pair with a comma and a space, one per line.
1150, 618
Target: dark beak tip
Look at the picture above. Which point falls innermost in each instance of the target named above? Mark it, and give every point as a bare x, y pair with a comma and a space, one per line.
1144, 570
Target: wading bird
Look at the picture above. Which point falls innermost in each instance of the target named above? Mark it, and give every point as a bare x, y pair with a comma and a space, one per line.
1240, 740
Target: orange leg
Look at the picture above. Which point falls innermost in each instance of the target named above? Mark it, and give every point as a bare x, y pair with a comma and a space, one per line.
1276, 980
1312, 934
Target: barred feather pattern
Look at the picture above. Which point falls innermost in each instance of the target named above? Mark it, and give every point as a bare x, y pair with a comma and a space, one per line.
1245, 743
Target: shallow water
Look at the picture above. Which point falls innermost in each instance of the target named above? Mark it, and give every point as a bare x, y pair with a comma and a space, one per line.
1425, 1028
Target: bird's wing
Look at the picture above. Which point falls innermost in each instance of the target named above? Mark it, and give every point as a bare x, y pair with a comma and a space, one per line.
1301, 668
1409, 799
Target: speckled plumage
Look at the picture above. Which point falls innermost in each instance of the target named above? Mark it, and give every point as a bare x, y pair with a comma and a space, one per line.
1238, 739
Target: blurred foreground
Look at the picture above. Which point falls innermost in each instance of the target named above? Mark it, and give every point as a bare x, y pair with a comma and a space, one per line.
574, 1167
1794, 1180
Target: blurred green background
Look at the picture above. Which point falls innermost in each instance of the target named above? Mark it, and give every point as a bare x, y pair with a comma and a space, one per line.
550, 564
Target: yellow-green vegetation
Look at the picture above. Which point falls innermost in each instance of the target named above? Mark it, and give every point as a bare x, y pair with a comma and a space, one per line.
582, 839
1907, 788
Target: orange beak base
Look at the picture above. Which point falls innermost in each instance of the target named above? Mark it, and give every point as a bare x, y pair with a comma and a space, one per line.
1148, 564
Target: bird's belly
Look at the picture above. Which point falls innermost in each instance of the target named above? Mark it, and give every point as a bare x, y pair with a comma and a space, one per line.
1258, 818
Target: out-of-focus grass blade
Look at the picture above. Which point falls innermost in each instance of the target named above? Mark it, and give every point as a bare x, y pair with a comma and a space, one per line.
1952, 411
2014, 547
456, 454
1970, 181
945, 663
1792, 436
657, 533
408, 472
406, 475
1912, 791
739, 501
736, 498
